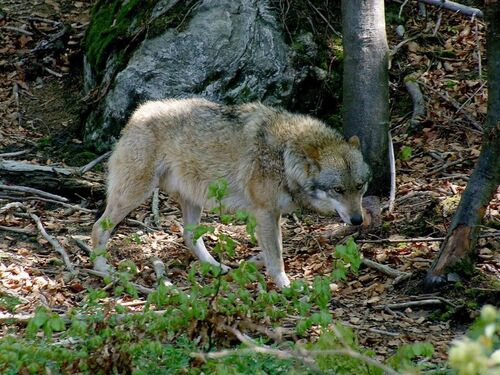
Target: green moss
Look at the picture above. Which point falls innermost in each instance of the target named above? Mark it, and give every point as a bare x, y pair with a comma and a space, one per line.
114, 24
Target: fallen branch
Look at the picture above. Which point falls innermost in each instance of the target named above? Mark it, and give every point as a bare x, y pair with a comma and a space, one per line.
13, 154
417, 99
26, 189
402, 305
93, 163
55, 244
306, 356
16, 230
455, 7
398, 275
102, 275
444, 166
457, 106
17, 30
67, 205
421, 239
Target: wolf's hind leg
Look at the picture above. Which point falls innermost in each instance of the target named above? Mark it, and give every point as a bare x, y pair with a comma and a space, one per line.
191, 214
120, 202
269, 236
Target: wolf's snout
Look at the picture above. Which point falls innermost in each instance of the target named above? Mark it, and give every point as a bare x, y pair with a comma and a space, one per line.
356, 219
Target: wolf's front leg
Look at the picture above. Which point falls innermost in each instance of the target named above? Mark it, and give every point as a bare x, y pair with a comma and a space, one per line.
191, 214
269, 237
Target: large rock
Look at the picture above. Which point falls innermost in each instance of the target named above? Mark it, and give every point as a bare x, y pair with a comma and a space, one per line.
230, 51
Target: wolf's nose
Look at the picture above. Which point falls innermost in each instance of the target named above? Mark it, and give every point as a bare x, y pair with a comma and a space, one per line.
356, 219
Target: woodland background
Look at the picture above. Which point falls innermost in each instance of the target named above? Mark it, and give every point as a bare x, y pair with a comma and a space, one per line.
58, 316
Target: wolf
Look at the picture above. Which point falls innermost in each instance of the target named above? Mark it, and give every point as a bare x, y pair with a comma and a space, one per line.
273, 161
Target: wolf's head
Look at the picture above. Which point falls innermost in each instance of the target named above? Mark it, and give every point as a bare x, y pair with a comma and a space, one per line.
330, 176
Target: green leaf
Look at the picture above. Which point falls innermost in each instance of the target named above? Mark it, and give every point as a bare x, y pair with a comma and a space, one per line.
405, 153
57, 324
218, 189
199, 230
340, 271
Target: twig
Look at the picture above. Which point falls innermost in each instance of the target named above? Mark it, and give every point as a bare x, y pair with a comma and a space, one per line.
472, 96
54, 73
55, 244
454, 7
15, 153
16, 230
402, 305
45, 20
402, 240
401, 8
324, 19
371, 329
10, 206
396, 48
93, 163
438, 24
26, 189
67, 205
18, 30
307, 356
82, 245
392, 168
155, 202
417, 99
103, 275
444, 166
398, 275
19, 318
456, 105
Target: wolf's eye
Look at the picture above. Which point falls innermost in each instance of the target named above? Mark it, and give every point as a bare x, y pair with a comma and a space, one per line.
338, 190
360, 186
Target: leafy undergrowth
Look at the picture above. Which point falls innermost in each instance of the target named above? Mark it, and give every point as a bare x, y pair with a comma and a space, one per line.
53, 321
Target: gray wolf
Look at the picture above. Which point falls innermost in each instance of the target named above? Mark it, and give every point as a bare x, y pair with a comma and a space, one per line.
274, 161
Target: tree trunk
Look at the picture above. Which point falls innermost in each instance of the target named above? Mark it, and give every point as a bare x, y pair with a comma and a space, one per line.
366, 85
460, 243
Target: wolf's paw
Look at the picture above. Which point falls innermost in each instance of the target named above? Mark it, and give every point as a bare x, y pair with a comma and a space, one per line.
225, 269
281, 280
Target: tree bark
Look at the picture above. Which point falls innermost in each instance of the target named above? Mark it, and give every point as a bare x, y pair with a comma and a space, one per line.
460, 243
366, 85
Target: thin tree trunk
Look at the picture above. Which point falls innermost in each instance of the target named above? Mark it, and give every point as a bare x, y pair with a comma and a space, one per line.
460, 244
366, 85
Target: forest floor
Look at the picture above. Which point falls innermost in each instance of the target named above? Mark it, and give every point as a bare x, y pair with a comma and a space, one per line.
41, 107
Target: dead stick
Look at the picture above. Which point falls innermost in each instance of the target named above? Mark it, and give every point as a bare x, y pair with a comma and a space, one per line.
26, 189
103, 275
457, 106
15, 230
17, 29
67, 205
55, 244
87, 167
16, 153
402, 305
398, 275
454, 7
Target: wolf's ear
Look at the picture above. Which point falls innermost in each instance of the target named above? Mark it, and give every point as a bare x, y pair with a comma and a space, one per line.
354, 141
312, 152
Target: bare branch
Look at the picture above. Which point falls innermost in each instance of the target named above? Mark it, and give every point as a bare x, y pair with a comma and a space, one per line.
455, 7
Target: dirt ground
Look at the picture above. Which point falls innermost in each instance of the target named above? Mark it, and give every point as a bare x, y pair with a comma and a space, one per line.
41, 111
